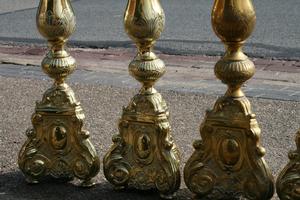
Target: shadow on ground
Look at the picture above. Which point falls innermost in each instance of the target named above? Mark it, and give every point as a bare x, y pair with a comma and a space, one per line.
13, 186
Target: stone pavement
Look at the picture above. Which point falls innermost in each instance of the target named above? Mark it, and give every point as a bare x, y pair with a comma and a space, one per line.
189, 87
274, 79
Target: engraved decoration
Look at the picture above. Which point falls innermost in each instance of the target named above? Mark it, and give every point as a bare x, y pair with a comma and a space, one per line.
288, 181
143, 155
57, 145
228, 162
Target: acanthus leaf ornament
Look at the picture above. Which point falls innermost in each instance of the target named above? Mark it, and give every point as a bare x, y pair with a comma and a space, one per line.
143, 155
228, 162
288, 181
57, 145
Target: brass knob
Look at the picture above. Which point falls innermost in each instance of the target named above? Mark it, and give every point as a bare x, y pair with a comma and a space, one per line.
233, 22
56, 22
144, 22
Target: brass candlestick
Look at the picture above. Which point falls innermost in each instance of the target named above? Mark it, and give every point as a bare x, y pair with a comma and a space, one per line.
288, 181
56, 145
144, 155
228, 162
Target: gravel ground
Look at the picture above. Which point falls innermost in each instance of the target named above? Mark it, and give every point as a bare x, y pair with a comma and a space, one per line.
279, 121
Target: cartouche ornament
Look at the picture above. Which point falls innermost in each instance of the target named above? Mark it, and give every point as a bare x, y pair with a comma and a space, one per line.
57, 146
143, 155
228, 162
288, 181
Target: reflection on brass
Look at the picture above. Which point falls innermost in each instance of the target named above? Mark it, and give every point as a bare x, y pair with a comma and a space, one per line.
288, 181
143, 155
56, 145
228, 162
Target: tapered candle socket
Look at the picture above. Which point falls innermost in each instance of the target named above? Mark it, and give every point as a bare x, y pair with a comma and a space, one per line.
228, 162
288, 181
57, 146
143, 155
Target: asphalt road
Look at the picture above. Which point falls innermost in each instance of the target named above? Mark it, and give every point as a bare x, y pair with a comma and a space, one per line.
7, 6
188, 29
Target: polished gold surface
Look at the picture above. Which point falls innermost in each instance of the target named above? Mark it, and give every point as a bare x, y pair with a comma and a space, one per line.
228, 162
143, 155
57, 145
288, 181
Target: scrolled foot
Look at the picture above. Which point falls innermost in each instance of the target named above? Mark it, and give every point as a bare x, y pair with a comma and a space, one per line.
87, 183
31, 181
167, 196
119, 188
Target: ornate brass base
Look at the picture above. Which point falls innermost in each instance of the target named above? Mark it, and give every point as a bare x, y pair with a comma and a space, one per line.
57, 145
144, 155
227, 162
288, 182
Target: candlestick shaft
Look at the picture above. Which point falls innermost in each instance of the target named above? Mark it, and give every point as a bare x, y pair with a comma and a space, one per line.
228, 162
57, 145
144, 155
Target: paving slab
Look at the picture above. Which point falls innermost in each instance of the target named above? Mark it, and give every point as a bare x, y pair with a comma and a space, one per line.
195, 73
